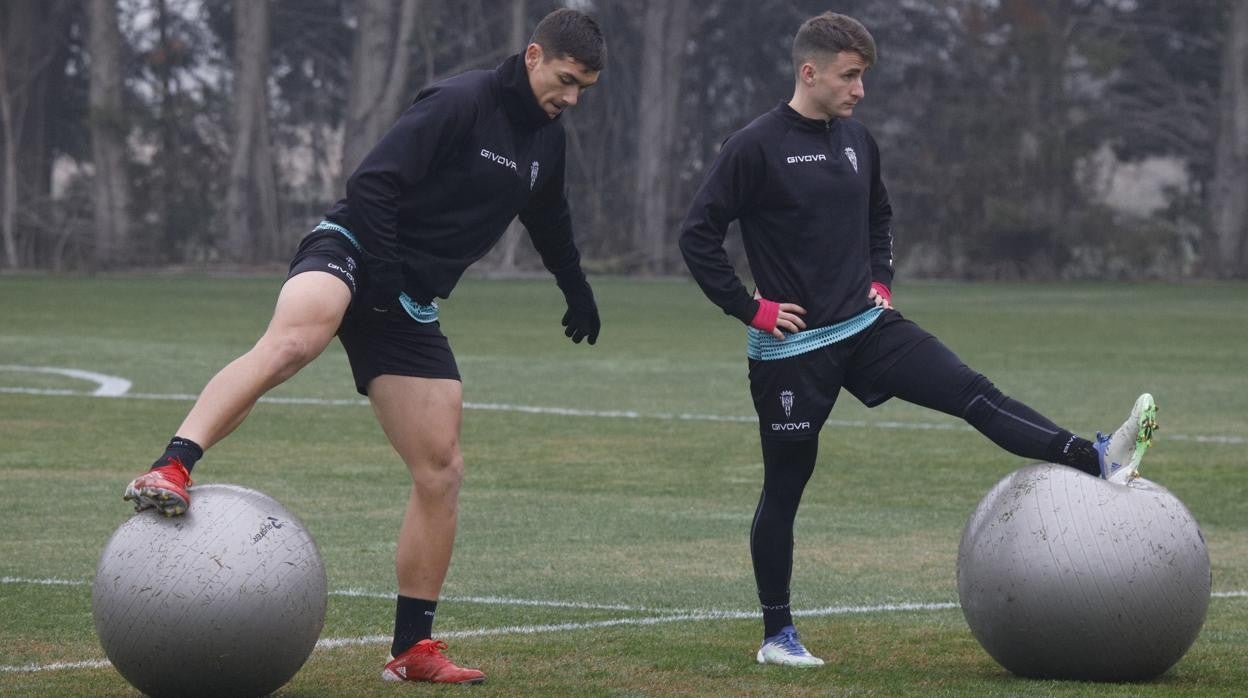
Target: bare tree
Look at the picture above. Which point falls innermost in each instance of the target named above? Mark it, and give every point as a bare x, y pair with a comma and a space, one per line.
380, 67
251, 200
110, 185
31, 40
8, 177
1230, 178
665, 29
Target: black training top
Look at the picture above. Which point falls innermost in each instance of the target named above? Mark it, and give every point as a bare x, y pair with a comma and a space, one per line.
439, 189
814, 216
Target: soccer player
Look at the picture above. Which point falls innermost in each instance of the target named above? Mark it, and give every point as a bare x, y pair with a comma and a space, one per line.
804, 182
432, 197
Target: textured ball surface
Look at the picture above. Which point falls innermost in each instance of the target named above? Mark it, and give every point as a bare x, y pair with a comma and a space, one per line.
1062, 575
228, 599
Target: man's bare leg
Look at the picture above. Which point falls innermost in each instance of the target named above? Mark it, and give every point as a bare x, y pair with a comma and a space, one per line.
421, 417
309, 310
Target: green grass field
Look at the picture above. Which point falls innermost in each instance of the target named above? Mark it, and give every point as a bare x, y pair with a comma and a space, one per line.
591, 525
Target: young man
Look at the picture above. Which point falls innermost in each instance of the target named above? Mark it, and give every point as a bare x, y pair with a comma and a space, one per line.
433, 196
804, 181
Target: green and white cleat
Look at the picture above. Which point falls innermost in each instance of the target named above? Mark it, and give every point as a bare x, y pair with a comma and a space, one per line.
786, 649
1121, 452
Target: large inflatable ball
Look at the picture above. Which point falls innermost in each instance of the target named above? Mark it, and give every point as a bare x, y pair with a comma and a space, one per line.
1062, 575
226, 600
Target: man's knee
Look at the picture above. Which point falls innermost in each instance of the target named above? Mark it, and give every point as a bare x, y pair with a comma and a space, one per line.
787, 467
983, 400
438, 473
288, 353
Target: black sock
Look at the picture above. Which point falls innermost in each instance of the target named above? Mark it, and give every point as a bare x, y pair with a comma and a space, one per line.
776, 613
182, 451
1068, 449
413, 622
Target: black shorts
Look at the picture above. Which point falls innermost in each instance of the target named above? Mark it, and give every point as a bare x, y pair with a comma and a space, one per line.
793, 397
377, 343
330, 252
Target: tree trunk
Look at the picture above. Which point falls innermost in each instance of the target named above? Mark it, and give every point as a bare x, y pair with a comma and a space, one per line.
1229, 257
110, 185
8, 177
665, 27
251, 201
31, 39
168, 160
380, 67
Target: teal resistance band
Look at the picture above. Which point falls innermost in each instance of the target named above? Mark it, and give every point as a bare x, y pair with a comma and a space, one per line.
326, 225
418, 312
763, 346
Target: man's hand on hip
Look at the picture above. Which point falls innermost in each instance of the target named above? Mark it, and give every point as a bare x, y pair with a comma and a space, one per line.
778, 318
880, 295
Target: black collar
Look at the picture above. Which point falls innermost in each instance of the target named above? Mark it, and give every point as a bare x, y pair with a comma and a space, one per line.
517, 94
805, 123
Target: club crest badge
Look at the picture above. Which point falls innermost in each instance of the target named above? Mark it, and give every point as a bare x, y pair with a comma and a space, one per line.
533, 174
853, 158
786, 401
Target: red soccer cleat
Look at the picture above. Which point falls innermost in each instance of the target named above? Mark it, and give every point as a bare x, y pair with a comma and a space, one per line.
163, 489
424, 661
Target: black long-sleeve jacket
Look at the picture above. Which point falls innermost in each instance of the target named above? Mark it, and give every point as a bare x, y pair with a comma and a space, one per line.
439, 189
814, 217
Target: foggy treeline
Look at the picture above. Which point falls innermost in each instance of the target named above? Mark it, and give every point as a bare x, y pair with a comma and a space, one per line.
1021, 139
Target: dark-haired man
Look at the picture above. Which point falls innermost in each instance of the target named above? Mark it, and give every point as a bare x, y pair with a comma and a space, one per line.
432, 197
804, 182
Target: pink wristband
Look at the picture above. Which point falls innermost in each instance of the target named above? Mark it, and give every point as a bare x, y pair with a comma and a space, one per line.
882, 290
765, 318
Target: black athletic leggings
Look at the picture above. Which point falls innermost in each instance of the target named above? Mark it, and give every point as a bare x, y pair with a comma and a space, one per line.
930, 375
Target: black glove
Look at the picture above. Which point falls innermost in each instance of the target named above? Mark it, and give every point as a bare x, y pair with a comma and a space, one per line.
581, 320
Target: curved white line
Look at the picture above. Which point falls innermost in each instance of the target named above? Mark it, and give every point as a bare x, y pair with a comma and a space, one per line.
106, 385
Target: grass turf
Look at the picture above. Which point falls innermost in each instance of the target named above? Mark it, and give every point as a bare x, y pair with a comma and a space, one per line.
639, 494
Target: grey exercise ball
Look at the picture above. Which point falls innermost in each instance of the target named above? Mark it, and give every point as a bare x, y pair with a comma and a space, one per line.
1063, 575
226, 600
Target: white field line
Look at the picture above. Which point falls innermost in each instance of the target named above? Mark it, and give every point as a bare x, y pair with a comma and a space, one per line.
352, 592
508, 601
54, 666
51, 582
105, 385
672, 616
1223, 439
355, 592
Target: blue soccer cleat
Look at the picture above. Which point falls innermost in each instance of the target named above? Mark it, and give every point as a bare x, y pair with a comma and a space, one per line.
786, 649
1121, 452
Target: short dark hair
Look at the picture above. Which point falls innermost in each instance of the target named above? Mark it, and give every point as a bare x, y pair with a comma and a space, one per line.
568, 33
829, 34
